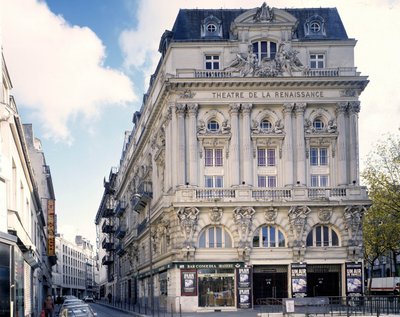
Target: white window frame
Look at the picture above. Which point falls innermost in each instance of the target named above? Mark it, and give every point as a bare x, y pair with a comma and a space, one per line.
212, 60
319, 156
317, 60
268, 53
267, 243
266, 181
226, 240
325, 241
214, 181
319, 180
266, 157
213, 157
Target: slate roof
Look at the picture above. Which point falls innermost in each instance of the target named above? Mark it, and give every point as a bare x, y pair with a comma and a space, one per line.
188, 23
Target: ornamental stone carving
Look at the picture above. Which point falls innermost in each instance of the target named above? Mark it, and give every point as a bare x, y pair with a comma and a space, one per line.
263, 14
352, 217
298, 219
216, 215
324, 215
188, 217
187, 94
270, 215
243, 217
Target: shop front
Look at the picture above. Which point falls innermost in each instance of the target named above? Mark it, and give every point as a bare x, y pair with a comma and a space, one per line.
216, 285
270, 281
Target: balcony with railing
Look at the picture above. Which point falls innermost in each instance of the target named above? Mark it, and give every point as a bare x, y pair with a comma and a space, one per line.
307, 72
107, 260
120, 209
121, 231
143, 195
107, 227
292, 194
109, 208
120, 250
141, 227
107, 244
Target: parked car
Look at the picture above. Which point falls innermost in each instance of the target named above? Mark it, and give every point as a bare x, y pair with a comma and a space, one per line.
78, 310
88, 299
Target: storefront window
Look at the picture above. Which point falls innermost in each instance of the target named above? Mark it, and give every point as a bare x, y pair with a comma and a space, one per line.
216, 287
19, 282
5, 280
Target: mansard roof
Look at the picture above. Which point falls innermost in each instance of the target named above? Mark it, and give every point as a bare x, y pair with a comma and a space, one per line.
188, 23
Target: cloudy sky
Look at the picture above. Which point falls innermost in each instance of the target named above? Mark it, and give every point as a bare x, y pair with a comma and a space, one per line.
79, 69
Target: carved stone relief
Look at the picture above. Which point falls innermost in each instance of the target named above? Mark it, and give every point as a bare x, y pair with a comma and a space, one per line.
352, 217
324, 215
243, 217
188, 217
216, 215
270, 215
298, 219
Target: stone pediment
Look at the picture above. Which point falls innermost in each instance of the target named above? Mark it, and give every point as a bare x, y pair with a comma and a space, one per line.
264, 15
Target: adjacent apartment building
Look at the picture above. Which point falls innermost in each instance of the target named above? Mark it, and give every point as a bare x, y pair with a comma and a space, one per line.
240, 178
74, 273
27, 212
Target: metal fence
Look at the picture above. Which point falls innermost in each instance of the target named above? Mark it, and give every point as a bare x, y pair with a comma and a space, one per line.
340, 306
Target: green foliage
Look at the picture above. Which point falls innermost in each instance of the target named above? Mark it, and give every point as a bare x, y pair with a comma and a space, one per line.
381, 224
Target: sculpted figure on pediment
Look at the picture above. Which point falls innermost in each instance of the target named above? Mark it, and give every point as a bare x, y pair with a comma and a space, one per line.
263, 14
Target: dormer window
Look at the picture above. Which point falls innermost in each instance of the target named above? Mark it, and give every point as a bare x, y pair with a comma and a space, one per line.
315, 27
211, 27
213, 126
264, 50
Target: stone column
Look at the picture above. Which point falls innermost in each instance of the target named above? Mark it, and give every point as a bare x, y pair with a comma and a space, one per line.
168, 152
173, 149
181, 157
288, 146
354, 109
342, 178
192, 135
301, 149
246, 142
234, 146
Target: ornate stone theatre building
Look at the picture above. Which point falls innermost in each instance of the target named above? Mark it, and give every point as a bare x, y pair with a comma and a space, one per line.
240, 178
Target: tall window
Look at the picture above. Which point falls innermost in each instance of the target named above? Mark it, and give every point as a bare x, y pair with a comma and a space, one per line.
266, 181
319, 181
215, 237
264, 49
318, 156
213, 157
269, 237
266, 157
212, 61
317, 60
213, 181
322, 236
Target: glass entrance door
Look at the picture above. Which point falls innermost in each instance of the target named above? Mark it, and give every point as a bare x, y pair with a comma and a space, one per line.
269, 285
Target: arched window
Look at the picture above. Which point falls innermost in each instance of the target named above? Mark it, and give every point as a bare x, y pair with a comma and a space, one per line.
215, 237
265, 125
322, 236
318, 124
269, 237
213, 126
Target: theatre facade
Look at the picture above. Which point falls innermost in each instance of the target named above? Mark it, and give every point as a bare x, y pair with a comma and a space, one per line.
239, 182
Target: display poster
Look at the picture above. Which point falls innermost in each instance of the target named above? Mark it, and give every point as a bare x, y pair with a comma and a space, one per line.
299, 280
354, 278
244, 287
5, 281
188, 282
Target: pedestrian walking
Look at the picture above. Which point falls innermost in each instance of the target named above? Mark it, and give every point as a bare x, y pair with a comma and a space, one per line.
48, 306
109, 298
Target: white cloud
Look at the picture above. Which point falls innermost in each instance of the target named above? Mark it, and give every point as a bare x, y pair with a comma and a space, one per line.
57, 69
374, 23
